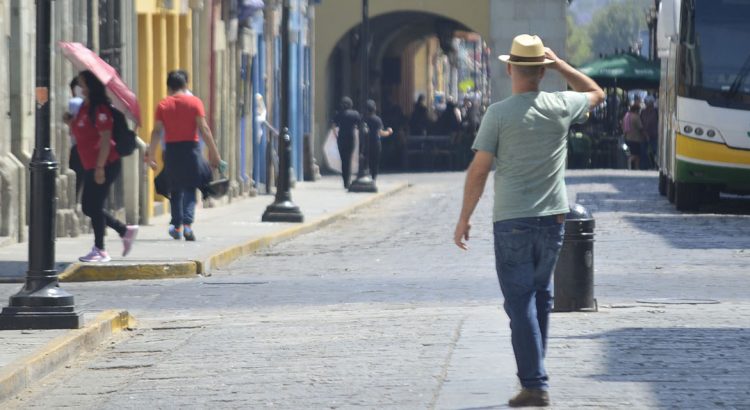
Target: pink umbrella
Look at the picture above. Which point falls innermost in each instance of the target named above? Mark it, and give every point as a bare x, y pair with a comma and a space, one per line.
122, 97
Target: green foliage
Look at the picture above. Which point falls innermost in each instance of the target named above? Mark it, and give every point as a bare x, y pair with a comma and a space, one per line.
578, 47
615, 24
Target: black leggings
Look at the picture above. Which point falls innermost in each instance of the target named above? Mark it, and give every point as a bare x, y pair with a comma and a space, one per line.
346, 149
93, 199
375, 149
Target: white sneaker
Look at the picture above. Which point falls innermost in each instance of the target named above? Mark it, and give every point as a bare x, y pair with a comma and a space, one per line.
128, 239
96, 255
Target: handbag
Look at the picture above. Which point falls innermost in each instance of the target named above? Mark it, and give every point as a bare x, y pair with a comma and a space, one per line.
217, 187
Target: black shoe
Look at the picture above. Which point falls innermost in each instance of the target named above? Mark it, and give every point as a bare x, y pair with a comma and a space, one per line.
188, 234
530, 398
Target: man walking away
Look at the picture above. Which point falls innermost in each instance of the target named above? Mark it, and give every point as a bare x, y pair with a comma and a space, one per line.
346, 121
525, 135
376, 131
182, 117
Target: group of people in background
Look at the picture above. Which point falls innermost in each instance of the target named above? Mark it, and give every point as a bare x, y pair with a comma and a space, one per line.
640, 127
346, 123
93, 157
460, 122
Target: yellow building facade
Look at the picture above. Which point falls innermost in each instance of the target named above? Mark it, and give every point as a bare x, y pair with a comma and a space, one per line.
165, 43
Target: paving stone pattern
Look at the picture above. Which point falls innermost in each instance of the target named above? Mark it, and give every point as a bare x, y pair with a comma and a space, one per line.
381, 311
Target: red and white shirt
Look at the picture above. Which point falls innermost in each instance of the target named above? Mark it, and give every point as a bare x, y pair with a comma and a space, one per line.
87, 135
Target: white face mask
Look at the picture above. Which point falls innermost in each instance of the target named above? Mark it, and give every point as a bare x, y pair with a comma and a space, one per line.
78, 91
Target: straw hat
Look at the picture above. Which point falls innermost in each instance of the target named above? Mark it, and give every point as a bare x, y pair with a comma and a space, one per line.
526, 50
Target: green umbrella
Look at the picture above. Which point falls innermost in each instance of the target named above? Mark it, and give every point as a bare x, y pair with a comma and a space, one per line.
625, 71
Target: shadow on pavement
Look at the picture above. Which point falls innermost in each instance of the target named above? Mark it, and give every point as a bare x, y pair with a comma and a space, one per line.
685, 367
15, 271
639, 193
696, 231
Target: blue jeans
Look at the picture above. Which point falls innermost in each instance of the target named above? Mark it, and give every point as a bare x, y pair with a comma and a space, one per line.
182, 203
526, 251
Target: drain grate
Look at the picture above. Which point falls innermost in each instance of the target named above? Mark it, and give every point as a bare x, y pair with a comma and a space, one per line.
674, 301
233, 283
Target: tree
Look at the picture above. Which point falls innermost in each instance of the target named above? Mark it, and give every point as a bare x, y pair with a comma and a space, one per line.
578, 47
617, 26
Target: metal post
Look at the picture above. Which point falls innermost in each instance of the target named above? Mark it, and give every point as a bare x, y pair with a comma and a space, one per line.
41, 303
283, 209
364, 183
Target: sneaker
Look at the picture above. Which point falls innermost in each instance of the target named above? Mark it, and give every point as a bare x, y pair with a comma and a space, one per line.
128, 239
530, 398
188, 233
174, 233
96, 255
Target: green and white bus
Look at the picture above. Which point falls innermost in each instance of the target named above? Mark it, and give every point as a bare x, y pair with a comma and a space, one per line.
704, 100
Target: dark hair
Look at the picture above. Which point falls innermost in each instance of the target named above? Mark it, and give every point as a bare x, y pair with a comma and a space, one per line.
635, 107
176, 80
372, 108
346, 103
97, 95
184, 74
73, 84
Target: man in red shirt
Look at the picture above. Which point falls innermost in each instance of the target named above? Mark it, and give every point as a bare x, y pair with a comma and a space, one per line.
181, 116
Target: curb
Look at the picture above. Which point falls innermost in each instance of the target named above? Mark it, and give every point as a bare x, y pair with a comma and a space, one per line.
21, 373
226, 257
79, 272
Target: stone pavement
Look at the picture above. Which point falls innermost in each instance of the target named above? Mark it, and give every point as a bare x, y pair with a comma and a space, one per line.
219, 229
380, 311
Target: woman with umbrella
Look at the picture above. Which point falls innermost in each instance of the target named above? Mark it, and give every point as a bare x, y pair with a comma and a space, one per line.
92, 128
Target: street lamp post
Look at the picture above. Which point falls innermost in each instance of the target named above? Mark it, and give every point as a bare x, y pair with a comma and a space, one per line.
364, 183
41, 303
652, 17
283, 209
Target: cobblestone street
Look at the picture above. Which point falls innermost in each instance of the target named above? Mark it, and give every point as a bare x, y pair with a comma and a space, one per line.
381, 310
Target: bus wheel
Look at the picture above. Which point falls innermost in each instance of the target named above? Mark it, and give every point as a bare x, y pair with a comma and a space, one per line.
711, 194
670, 190
662, 184
687, 196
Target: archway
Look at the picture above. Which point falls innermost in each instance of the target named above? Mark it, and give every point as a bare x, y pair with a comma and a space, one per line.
411, 53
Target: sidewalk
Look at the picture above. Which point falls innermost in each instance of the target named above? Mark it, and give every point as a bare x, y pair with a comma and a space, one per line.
224, 234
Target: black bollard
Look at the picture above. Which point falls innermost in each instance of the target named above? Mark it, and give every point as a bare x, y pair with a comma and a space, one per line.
41, 303
364, 183
283, 209
574, 272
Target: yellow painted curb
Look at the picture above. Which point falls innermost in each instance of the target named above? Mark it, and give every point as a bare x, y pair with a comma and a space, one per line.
224, 258
79, 272
21, 373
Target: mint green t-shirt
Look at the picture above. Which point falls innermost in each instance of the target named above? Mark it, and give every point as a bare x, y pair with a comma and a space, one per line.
527, 133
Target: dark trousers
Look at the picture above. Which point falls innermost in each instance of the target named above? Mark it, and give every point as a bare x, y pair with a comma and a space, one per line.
375, 149
346, 148
92, 201
182, 203
74, 163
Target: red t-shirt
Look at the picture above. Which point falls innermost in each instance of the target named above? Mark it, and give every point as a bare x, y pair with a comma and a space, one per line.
178, 114
87, 134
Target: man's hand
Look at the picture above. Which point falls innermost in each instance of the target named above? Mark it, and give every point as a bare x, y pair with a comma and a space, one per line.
67, 118
462, 234
213, 158
148, 160
549, 54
